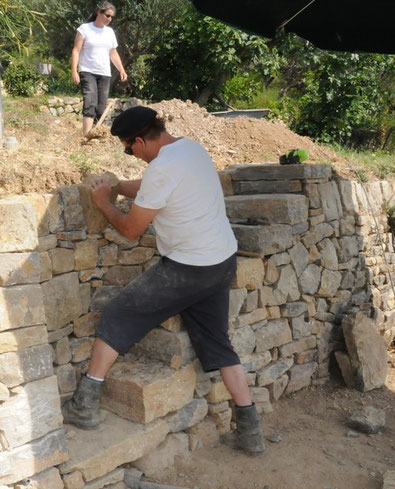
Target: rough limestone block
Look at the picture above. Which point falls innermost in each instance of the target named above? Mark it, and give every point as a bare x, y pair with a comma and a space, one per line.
62, 300
310, 279
86, 254
48, 211
175, 349
252, 317
266, 240
46, 243
135, 256
62, 351
19, 268
299, 257
236, 299
34, 457
298, 346
85, 296
348, 196
218, 393
62, 260
21, 305
269, 209
300, 327
22, 338
173, 324
95, 221
348, 248
60, 333
32, 412
251, 301
4, 392
330, 282
112, 478
249, 273
256, 361
261, 171
66, 376
45, 267
175, 445
204, 434
121, 274
226, 182
275, 333
115, 237
26, 365
73, 480
328, 254
108, 255
267, 375
120, 441
277, 389
145, 391
86, 325
293, 309
49, 479
18, 226
73, 213
367, 351
81, 349
188, 416
243, 340
348, 373
287, 288
222, 420
300, 376
317, 234
266, 187
330, 200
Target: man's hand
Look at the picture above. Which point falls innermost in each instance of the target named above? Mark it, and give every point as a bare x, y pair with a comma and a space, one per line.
101, 192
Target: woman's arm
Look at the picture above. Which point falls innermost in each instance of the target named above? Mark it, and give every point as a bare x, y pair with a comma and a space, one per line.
75, 56
117, 62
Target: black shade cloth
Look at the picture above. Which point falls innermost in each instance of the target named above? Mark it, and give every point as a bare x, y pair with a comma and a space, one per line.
339, 25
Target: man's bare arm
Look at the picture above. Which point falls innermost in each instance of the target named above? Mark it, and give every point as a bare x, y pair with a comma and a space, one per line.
129, 188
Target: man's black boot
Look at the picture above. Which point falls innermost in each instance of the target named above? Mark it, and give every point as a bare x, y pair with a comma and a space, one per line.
248, 436
83, 410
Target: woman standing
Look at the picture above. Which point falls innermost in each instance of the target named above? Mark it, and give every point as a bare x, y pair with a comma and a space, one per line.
94, 46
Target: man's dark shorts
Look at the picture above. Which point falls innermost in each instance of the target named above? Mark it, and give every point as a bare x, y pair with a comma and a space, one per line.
199, 293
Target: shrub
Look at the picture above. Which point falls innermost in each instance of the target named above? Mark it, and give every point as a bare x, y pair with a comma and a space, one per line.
21, 79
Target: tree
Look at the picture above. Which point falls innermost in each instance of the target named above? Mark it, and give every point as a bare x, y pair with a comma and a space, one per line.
198, 55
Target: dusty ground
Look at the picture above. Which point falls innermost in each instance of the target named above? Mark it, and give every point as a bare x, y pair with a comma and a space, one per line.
52, 152
315, 451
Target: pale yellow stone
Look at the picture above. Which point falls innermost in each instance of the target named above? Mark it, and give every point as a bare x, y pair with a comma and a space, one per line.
218, 393
74, 480
19, 339
49, 479
250, 273
86, 254
19, 268
18, 226
173, 324
81, 349
222, 420
136, 256
87, 324
62, 260
45, 267
204, 434
120, 441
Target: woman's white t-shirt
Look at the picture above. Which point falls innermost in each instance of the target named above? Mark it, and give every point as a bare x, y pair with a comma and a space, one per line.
95, 52
191, 226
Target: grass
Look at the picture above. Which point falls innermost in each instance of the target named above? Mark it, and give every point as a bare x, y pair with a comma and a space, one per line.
83, 162
380, 163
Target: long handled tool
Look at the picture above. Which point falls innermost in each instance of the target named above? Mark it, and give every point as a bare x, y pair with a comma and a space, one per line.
94, 132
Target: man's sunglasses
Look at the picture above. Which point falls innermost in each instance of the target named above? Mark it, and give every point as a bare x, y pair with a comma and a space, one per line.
128, 150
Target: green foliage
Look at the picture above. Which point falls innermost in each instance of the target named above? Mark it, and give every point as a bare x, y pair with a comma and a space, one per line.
59, 81
83, 162
198, 55
21, 79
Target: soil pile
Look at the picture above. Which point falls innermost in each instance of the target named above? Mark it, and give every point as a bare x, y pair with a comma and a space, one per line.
52, 151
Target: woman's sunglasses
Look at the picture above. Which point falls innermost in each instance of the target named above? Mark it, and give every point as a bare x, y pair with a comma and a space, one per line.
109, 16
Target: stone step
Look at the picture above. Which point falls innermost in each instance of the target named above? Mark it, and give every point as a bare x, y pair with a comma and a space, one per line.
144, 390
117, 441
280, 172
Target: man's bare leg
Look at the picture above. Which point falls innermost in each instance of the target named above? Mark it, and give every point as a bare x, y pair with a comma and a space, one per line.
235, 380
102, 359
87, 124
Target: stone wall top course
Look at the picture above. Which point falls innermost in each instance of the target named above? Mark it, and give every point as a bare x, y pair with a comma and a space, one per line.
18, 226
279, 172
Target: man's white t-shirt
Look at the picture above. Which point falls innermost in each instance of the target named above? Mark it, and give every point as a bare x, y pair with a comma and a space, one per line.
191, 226
95, 52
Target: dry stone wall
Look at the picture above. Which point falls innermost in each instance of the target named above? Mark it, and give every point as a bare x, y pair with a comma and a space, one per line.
308, 256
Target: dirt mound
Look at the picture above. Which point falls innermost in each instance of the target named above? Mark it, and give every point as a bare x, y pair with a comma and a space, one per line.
52, 151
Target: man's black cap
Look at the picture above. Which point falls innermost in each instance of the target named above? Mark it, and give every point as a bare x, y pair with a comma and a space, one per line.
132, 121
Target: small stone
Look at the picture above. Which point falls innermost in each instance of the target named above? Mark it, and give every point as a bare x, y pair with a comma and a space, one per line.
274, 438
367, 420
352, 434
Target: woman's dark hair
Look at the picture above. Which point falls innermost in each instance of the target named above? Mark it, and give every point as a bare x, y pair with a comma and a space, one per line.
102, 7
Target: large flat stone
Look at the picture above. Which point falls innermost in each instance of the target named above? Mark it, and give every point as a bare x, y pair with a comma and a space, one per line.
266, 240
269, 209
21, 305
266, 187
32, 412
62, 300
280, 172
48, 479
143, 392
188, 416
19, 268
300, 376
116, 442
330, 200
267, 375
22, 338
73, 213
367, 352
275, 333
33, 458
18, 226
26, 365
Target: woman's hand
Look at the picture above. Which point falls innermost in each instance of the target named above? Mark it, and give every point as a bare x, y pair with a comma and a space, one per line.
123, 75
75, 77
